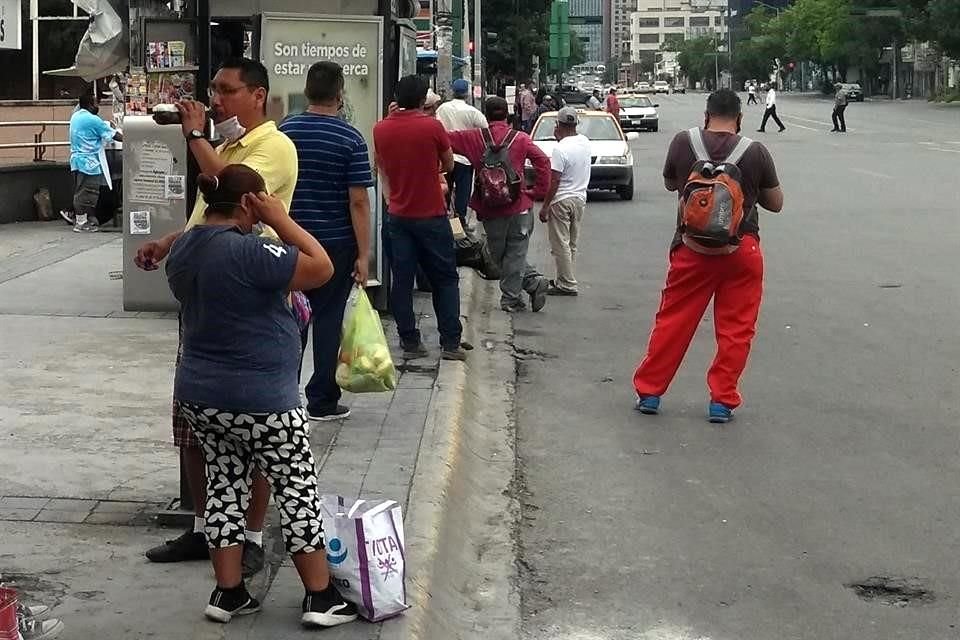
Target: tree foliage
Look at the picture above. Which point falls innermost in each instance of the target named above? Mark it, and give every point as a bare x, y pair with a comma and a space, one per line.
696, 57
520, 36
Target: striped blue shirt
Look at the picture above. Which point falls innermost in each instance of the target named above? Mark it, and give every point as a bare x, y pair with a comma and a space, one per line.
333, 157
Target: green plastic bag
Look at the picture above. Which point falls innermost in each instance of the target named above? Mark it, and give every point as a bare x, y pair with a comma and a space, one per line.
365, 364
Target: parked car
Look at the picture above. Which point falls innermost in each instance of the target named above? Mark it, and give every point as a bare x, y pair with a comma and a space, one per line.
680, 88
638, 113
661, 86
854, 91
611, 159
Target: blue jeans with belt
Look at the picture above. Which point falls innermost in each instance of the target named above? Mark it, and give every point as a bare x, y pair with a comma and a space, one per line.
427, 242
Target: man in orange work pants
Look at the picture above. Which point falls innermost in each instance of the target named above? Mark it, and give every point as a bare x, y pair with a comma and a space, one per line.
734, 280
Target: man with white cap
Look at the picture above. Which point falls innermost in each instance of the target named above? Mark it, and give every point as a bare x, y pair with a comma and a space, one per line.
566, 200
457, 115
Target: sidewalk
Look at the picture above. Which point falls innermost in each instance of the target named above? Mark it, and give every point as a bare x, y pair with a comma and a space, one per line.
87, 457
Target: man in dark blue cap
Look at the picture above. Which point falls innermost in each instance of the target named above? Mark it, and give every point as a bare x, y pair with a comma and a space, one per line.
457, 115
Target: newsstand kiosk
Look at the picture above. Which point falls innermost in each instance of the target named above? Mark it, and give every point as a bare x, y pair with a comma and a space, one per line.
176, 46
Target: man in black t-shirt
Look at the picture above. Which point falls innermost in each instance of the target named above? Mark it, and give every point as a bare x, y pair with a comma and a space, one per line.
734, 280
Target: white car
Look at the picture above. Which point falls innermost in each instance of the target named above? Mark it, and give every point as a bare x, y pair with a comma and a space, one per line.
643, 87
611, 159
638, 113
661, 86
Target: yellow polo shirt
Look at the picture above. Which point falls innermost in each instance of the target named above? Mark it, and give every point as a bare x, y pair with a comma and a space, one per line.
269, 152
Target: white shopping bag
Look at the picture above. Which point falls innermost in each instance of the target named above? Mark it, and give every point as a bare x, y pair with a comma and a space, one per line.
365, 549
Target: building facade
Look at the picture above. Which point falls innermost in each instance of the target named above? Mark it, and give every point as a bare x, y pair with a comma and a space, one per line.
586, 20
656, 21
619, 28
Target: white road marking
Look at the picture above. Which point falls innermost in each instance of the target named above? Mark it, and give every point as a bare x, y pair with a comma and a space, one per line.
791, 116
867, 172
944, 150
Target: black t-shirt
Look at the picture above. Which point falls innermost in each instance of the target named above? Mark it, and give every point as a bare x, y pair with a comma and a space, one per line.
756, 167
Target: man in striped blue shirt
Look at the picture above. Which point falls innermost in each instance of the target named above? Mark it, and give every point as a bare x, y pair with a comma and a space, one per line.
331, 202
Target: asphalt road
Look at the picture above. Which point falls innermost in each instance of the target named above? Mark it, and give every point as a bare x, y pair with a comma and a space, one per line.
842, 464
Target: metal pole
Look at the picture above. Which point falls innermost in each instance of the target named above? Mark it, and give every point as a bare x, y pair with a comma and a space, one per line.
730, 42
896, 70
35, 30
478, 48
444, 20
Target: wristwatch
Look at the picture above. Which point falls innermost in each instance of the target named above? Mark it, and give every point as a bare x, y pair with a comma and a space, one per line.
195, 135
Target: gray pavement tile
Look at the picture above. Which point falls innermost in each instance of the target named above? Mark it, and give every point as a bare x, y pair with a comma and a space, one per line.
416, 381
53, 515
19, 502
120, 519
118, 506
411, 398
70, 504
12, 513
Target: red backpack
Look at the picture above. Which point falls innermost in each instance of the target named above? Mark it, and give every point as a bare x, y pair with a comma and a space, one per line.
497, 182
711, 202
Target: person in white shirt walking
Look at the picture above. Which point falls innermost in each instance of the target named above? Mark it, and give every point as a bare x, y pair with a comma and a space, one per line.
457, 115
771, 111
567, 199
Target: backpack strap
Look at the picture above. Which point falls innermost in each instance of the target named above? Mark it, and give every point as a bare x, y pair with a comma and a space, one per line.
696, 143
738, 151
487, 137
510, 137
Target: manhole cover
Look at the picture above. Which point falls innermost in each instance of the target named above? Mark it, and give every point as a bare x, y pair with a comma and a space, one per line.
892, 592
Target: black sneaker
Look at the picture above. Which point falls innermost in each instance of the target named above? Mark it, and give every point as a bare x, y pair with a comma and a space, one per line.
189, 546
327, 608
253, 559
414, 350
458, 354
226, 603
329, 415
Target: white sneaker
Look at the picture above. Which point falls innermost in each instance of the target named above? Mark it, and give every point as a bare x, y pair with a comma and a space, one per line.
69, 216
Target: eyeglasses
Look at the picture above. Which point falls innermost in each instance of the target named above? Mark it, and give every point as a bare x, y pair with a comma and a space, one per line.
225, 91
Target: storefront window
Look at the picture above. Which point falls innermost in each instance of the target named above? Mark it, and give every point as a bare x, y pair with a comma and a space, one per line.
17, 80
60, 28
59, 51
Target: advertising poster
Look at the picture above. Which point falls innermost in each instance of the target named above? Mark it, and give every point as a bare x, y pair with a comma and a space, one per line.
290, 43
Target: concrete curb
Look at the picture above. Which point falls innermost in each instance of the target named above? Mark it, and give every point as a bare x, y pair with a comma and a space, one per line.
461, 515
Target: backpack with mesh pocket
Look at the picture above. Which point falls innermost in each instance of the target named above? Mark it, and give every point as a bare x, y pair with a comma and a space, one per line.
497, 182
711, 202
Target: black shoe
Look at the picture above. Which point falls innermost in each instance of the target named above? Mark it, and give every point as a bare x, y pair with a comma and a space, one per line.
327, 608
414, 350
513, 307
226, 603
189, 546
538, 297
329, 415
253, 559
834, 130
466, 346
760, 131
458, 354
782, 129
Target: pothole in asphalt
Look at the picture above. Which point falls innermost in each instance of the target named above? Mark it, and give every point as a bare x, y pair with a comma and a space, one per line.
531, 354
891, 591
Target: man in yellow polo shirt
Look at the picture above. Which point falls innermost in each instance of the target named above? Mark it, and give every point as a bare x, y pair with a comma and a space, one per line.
238, 99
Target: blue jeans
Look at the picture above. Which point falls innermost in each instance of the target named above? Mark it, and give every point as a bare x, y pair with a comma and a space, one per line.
328, 303
461, 186
427, 242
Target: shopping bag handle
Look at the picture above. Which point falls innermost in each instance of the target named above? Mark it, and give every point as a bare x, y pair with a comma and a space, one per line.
380, 508
356, 505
